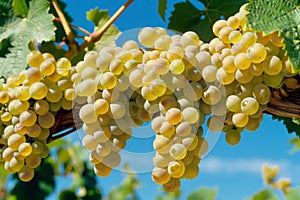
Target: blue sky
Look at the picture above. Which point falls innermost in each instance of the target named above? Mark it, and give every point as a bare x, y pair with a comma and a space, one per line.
235, 171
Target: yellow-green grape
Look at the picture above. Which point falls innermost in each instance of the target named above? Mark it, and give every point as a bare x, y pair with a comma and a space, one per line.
64, 84
54, 77
191, 171
4, 97
87, 113
25, 149
176, 168
89, 142
167, 129
90, 58
8, 131
224, 77
190, 115
160, 66
190, 142
108, 80
240, 119
6, 117
160, 175
19, 128
117, 110
38, 91
47, 120
101, 106
34, 59
33, 160
143, 115
253, 124
112, 160
162, 144
262, 93
147, 36
172, 185
189, 38
273, 81
110, 95
94, 158
41, 107
178, 151
54, 94
211, 95
37, 147
235, 36
16, 107
174, 116
66, 104
184, 103
135, 78
15, 165
63, 66
34, 131
243, 76
193, 92
89, 73
86, 88
248, 39
33, 75
233, 22
228, 64
7, 154
209, 73
28, 118
116, 66
15, 140
147, 94
257, 69
44, 134
238, 48
177, 66
26, 174
102, 170
272, 65
241, 61
157, 122
194, 74
215, 123
277, 40
70, 94
233, 103
233, 137
203, 59
162, 43
48, 66
22, 93
249, 105
256, 53
183, 129
103, 149
130, 44
175, 52
167, 102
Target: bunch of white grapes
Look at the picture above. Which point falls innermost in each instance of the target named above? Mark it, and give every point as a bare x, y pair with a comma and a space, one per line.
29, 102
176, 82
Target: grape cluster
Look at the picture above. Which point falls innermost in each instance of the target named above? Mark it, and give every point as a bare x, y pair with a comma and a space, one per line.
174, 81
29, 102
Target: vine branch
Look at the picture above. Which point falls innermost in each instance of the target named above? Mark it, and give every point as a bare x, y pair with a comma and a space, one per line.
72, 25
96, 36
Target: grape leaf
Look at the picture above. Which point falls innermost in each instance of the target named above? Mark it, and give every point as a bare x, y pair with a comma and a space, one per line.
264, 195
37, 25
162, 7
186, 17
6, 11
99, 18
20, 7
282, 16
289, 124
203, 194
294, 194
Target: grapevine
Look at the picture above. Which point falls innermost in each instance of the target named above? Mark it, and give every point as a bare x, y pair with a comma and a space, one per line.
174, 81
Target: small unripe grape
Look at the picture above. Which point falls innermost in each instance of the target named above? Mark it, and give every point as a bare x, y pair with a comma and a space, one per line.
160, 175
102, 170
240, 119
176, 168
178, 151
174, 116
26, 173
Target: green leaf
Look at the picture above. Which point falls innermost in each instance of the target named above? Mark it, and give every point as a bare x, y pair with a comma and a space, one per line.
203, 194
162, 7
37, 25
265, 194
289, 124
99, 18
6, 11
20, 7
293, 194
282, 16
295, 142
186, 17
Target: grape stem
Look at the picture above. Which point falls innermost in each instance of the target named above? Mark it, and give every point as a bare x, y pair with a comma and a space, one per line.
72, 25
56, 137
96, 36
